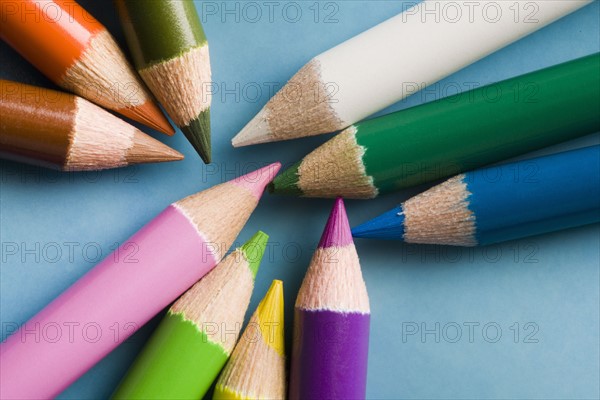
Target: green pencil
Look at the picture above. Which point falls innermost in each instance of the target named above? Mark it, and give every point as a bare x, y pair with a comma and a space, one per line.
451, 135
194, 340
170, 52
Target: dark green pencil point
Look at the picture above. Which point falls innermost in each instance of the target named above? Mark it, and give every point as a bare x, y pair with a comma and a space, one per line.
198, 134
287, 182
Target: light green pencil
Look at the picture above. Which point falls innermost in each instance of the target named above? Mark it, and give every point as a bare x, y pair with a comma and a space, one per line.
196, 337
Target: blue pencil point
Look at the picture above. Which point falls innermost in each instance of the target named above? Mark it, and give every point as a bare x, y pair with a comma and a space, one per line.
499, 203
389, 225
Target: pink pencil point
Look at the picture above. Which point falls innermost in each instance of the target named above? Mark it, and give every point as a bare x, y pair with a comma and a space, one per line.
256, 181
337, 232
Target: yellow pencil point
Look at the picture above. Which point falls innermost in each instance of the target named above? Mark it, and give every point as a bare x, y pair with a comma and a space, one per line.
270, 317
256, 369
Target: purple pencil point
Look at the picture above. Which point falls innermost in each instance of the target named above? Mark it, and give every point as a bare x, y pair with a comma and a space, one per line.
332, 317
337, 231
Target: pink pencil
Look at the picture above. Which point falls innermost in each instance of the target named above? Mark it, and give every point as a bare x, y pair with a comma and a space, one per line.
115, 298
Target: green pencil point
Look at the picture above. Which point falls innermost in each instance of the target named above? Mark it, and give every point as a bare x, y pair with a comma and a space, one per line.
197, 133
287, 182
254, 249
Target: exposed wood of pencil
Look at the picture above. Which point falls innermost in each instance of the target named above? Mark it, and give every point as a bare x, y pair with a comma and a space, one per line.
455, 223
334, 279
220, 297
181, 87
77, 52
314, 175
256, 369
170, 51
302, 107
66, 132
334, 282
230, 203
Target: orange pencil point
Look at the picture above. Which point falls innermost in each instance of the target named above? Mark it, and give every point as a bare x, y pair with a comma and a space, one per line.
76, 52
149, 114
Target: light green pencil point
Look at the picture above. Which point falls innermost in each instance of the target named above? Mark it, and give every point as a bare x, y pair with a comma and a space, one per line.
254, 249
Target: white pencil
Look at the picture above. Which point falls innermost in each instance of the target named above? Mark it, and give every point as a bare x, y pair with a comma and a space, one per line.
392, 60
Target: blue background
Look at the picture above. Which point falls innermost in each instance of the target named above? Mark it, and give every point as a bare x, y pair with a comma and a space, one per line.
548, 285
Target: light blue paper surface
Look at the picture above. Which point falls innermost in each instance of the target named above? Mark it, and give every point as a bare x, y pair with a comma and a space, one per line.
514, 321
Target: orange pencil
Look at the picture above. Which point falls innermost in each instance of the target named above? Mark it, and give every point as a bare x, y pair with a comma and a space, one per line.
76, 51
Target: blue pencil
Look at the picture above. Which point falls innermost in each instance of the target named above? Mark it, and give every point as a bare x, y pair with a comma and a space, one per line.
497, 204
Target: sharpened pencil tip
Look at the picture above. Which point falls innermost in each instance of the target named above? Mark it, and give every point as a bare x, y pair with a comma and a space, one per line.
387, 225
146, 149
337, 230
270, 317
255, 132
197, 133
254, 249
150, 115
287, 182
256, 181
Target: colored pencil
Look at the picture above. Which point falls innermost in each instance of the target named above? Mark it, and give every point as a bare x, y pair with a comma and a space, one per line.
76, 52
256, 369
391, 61
331, 321
497, 204
194, 340
130, 286
62, 131
170, 53
451, 135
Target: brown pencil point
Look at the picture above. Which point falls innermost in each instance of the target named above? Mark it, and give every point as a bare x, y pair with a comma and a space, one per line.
146, 149
149, 114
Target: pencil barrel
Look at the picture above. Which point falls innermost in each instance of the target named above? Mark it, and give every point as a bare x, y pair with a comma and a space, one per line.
104, 307
330, 355
36, 124
179, 362
35, 29
160, 30
536, 196
482, 126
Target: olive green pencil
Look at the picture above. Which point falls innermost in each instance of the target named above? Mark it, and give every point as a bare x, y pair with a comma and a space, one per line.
451, 135
170, 52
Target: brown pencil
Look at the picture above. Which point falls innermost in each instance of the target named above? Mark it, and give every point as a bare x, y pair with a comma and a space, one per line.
61, 131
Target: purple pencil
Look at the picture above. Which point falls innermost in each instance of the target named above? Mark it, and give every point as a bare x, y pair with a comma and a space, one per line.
331, 321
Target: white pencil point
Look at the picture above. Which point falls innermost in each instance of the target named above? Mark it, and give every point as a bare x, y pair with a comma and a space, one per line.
256, 131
